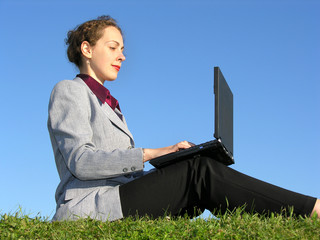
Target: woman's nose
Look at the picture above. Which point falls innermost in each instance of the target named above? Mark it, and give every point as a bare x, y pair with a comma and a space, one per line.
121, 57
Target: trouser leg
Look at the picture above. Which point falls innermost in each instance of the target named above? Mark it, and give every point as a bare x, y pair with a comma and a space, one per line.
203, 183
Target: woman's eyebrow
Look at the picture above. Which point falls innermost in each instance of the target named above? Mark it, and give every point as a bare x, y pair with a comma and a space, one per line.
114, 41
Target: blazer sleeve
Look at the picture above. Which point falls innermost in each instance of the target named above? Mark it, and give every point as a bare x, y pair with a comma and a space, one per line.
72, 137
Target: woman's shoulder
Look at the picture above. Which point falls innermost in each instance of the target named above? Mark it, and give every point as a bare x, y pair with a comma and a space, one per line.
70, 89
70, 86
68, 83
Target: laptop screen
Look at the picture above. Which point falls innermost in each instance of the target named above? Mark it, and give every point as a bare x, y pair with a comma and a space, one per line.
223, 128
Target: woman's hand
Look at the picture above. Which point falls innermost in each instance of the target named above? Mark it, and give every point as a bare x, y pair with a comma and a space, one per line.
157, 152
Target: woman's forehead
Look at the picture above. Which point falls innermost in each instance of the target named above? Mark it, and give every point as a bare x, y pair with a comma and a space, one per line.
112, 34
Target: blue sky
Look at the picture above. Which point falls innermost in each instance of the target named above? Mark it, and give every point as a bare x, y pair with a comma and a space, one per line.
268, 51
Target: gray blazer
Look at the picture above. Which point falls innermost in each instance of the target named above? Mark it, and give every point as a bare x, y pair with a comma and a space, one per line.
94, 153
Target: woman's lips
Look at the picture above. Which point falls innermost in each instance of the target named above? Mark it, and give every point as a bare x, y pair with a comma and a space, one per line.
116, 67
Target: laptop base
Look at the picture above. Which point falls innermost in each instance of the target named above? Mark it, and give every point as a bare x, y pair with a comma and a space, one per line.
213, 149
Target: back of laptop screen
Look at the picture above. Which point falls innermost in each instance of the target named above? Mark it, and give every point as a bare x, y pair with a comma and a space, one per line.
223, 110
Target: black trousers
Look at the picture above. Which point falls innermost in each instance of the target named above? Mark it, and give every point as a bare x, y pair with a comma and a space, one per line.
203, 183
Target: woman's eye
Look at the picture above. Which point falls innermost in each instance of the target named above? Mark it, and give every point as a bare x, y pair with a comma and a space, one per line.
112, 48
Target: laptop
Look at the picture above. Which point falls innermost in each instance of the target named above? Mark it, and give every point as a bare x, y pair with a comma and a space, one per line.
221, 148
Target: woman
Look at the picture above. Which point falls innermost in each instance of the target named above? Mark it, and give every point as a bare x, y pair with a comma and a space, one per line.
101, 171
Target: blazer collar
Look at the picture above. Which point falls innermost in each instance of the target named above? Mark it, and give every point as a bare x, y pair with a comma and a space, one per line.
116, 118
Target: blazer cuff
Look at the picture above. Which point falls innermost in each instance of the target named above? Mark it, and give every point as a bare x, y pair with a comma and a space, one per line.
136, 164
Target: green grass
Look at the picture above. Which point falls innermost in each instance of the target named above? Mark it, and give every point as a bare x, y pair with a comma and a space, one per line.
236, 225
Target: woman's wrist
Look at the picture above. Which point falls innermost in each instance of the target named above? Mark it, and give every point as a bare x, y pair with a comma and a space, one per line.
147, 154
143, 154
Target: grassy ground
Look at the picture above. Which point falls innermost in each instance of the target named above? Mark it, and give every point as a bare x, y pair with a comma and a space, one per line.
234, 225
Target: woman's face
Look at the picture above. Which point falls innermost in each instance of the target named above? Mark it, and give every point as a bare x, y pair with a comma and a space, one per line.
106, 56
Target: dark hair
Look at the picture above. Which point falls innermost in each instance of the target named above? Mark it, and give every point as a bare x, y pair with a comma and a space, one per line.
90, 31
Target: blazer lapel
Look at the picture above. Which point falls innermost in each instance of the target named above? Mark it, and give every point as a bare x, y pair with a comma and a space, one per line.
111, 115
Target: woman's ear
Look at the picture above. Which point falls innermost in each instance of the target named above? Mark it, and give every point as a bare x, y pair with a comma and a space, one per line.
86, 49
